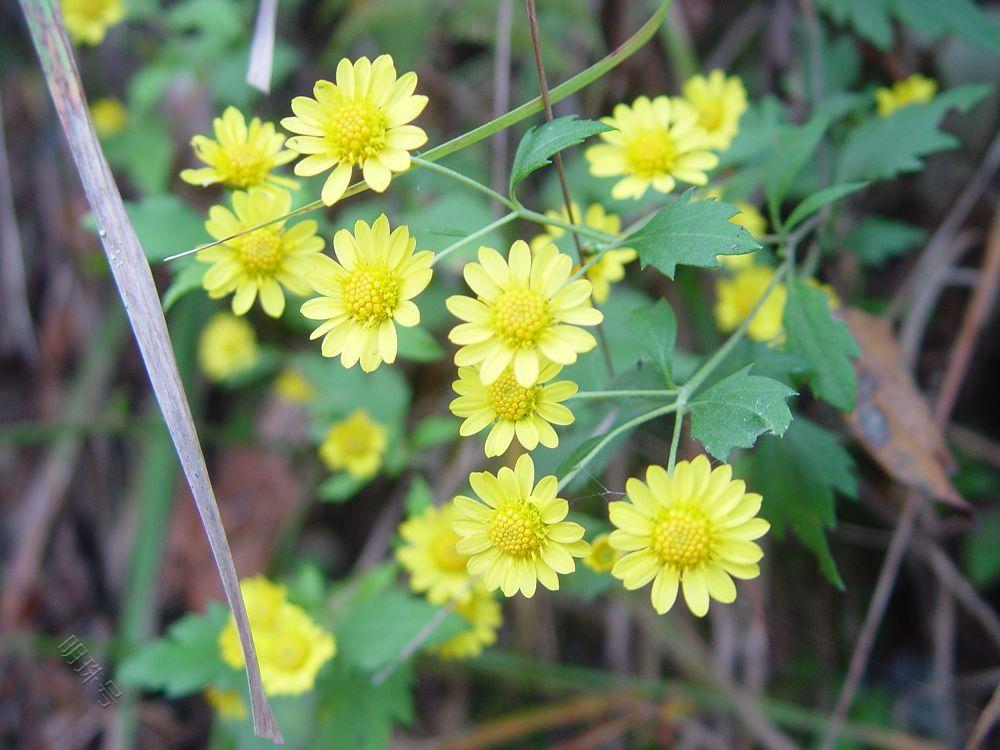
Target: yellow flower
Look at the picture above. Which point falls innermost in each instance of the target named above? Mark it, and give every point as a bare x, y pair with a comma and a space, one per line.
912, 90
611, 266
228, 704
737, 296
227, 346
429, 554
718, 103
365, 291
482, 612
356, 445
516, 536
241, 156
292, 386
654, 143
603, 556
512, 409
87, 21
693, 528
361, 120
109, 116
264, 601
262, 261
525, 312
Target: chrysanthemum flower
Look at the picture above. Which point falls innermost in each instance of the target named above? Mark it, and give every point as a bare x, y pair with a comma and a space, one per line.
524, 312
366, 291
262, 261
227, 346
359, 121
718, 102
737, 296
516, 536
653, 144
483, 614
693, 528
610, 267
109, 116
512, 409
228, 704
429, 554
603, 556
241, 156
916, 89
88, 21
291, 648
355, 445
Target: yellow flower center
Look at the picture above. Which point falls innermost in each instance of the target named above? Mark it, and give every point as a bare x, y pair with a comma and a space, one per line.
445, 555
519, 317
356, 131
243, 166
510, 400
290, 655
517, 529
682, 537
652, 153
710, 113
602, 555
356, 442
371, 294
261, 252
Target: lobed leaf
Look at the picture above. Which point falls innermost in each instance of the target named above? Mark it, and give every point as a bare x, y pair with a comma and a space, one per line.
542, 142
814, 202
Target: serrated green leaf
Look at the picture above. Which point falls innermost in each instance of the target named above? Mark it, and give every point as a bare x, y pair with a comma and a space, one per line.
813, 203
734, 412
357, 714
876, 239
692, 233
869, 18
962, 18
165, 226
188, 278
418, 345
542, 142
823, 342
790, 154
655, 328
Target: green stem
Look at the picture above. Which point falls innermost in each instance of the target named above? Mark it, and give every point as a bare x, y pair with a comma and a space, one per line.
675, 439
506, 219
595, 234
467, 181
622, 394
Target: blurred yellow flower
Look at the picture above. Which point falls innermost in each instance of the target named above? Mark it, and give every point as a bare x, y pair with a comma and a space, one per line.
263, 261
227, 346
241, 156
654, 143
429, 554
718, 102
293, 387
228, 704
109, 116
512, 409
736, 297
603, 556
526, 311
916, 89
366, 291
754, 222
610, 267
359, 121
515, 535
87, 21
355, 445
483, 614
694, 528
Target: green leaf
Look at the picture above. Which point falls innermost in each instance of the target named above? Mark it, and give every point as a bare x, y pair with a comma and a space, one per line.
876, 239
790, 154
540, 143
185, 661
418, 345
823, 342
578, 454
145, 153
797, 476
691, 233
356, 714
962, 18
982, 553
434, 430
340, 487
817, 200
655, 328
165, 226
734, 412
419, 497
188, 278
869, 18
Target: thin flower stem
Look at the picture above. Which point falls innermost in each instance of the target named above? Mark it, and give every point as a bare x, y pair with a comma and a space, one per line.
583, 229
468, 181
622, 394
506, 219
675, 439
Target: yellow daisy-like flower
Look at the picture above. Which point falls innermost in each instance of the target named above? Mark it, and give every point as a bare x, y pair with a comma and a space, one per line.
429, 554
483, 614
88, 21
366, 291
359, 121
241, 156
694, 528
512, 409
524, 312
654, 143
718, 103
355, 445
293, 387
610, 267
603, 556
228, 704
916, 89
227, 346
263, 261
109, 116
264, 601
516, 536
737, 296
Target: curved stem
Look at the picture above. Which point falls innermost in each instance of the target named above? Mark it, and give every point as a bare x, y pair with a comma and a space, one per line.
467, 181
506, 219
583, 229
622, 394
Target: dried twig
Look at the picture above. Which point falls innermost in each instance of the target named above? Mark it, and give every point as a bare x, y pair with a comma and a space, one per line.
501, 92
262, 46
985, 721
